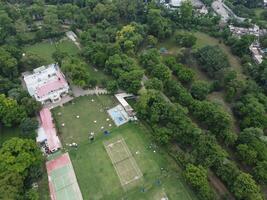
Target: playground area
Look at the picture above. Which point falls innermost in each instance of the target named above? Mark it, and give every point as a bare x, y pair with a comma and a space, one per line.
123, 162
63, 184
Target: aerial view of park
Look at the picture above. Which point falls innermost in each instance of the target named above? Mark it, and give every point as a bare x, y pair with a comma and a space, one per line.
133, 100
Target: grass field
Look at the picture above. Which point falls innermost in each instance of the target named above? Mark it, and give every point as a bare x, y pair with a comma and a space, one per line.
202, 40
77, 130
47, 48
95, 172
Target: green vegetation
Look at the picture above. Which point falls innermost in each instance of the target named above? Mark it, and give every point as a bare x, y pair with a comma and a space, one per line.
163, 57
8, 133
78, 129
46, 49
91, 161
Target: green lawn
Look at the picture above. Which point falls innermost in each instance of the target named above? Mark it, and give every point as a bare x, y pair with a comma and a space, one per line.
96, 175
47, 48
77, 129
204, 39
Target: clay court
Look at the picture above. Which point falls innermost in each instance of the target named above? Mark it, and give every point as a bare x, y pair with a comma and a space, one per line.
123, 162
63, 184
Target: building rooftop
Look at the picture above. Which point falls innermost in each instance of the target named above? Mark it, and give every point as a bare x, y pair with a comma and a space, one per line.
48, 130
46, 82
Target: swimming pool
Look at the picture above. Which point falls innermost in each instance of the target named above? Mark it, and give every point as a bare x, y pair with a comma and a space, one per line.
118, 115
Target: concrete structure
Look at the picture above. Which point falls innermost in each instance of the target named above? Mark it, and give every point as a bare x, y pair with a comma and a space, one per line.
240, 31
121, 98
197, 4
224, 11
47, 134
46, 84
256, 52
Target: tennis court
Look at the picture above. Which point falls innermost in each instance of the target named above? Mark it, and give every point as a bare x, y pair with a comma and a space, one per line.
63, 184
123, 162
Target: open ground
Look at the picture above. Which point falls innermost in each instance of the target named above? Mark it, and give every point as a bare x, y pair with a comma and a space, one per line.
94, 170
45, 49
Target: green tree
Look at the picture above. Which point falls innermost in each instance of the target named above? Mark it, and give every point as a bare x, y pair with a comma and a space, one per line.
245, 188
162, 72
197, 177
247, 154
185, 39
154, 83
28, 127
260, 172
112, 86
212, 60
10, 112
200, 89
158, 25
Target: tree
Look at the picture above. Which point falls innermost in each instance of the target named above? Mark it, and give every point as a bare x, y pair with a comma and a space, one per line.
10, 112
245, 188
18, 157
8, 64
250, 112
158, 25
7, 26
130, 36
247, 154
183, 73
58, 56
150, 58
131, 81
154, 84
241, 46
152, 41
28, 127
260, 172
31, 61
112, 86
162, 72
200, 89
186, 14
212, 60
197, 177
185, 39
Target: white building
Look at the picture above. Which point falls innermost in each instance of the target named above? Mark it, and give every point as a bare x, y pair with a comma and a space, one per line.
257, 55
47, 84
121, 98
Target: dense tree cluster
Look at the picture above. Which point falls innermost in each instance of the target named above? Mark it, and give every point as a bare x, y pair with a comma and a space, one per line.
212, 60
20, 166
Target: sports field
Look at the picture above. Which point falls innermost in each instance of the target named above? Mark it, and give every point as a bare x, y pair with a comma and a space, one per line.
96, 173
62, 180
123, 162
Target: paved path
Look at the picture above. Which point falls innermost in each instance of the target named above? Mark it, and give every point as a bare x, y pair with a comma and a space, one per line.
64, 100
77, 91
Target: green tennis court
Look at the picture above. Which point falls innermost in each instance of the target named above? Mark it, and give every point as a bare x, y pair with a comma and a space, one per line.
62, 180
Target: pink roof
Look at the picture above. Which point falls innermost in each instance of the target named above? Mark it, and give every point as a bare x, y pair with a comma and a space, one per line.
49, 129
50, 86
